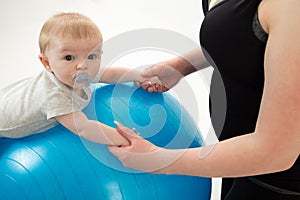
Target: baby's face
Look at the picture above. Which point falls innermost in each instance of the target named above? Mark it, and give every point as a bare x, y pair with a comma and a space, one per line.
76, 63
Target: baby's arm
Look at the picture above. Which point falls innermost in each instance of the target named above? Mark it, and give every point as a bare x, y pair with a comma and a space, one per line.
91, 130
122, 74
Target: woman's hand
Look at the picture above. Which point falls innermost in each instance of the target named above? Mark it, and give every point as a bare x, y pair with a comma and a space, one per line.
166, 74
141, 154
151, 84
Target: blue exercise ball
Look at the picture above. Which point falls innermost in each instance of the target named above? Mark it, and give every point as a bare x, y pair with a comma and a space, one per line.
57, 164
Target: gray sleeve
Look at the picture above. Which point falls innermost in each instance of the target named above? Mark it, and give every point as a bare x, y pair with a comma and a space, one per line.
60, 99
59, 102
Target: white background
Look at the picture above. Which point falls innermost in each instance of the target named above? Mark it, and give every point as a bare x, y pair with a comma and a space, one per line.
21, 21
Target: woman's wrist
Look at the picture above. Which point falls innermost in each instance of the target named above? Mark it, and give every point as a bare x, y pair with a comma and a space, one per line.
183, 66
170, 160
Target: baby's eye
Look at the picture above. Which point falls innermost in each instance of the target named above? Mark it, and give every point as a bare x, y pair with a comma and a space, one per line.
92, 56
69, 57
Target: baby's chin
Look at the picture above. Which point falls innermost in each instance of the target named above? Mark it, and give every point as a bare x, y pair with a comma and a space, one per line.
80, 86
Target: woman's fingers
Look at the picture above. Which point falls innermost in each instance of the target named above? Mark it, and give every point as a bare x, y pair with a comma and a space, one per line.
126, 132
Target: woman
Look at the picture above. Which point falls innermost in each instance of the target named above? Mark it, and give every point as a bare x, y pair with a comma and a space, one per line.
254, 47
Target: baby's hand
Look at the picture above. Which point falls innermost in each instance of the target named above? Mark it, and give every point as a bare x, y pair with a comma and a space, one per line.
152, 84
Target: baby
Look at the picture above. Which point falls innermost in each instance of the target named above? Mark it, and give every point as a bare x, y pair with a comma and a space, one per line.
70, 51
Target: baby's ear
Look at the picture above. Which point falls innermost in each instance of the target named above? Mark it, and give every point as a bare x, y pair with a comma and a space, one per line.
45, 62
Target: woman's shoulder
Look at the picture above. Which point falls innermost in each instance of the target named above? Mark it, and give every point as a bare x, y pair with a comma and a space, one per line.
274, 13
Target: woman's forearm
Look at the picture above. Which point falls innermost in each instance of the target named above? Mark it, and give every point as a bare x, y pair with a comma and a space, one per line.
190, 62
240, 156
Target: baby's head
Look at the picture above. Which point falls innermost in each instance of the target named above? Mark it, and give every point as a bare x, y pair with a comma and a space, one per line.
68, 25
70, 44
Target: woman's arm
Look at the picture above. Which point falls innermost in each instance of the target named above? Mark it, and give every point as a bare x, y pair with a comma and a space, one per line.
185, 64
171, 71
190, 62
274, 146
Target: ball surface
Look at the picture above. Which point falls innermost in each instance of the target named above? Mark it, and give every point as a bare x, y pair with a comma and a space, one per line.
57, 164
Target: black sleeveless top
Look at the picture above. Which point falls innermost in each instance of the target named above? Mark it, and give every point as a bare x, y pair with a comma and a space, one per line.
233, 42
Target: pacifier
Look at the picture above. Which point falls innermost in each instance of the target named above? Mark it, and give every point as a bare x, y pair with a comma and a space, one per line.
82, 78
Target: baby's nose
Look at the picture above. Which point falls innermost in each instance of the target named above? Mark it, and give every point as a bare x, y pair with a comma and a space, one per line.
81, 66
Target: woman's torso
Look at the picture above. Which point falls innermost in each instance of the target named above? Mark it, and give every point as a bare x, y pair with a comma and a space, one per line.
237, 54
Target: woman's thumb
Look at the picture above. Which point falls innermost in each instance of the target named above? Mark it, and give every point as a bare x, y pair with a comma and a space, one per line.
115, 150
129, 134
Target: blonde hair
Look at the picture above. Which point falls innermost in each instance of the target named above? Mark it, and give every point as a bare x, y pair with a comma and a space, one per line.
63, 25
